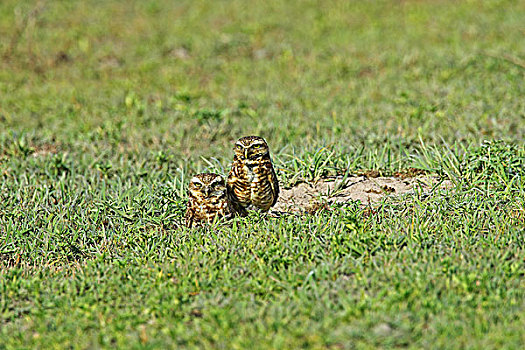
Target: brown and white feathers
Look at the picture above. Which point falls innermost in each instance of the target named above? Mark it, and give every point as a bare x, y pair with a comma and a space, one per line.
252, 182
207, 201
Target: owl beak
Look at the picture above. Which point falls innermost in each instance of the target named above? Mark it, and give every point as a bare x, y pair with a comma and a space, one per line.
208, 192
245, 154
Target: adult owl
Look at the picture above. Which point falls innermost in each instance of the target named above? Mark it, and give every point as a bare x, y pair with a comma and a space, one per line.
252, 182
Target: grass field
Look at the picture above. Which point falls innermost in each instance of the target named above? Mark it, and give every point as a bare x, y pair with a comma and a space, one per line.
108, 107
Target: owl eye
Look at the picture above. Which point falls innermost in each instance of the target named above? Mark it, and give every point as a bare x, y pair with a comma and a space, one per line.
197, 185
257, 146
239, 147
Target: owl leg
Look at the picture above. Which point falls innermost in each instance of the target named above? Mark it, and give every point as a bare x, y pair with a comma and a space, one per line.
188, 218
189, 221
240, 210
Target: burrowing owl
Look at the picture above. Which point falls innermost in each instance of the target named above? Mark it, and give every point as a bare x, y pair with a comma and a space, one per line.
252, 183
207, 200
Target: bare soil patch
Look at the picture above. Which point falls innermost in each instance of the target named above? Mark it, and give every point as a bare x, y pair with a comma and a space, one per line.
309, 197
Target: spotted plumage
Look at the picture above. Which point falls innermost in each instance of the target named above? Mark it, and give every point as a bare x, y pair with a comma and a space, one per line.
252, 182
208, 201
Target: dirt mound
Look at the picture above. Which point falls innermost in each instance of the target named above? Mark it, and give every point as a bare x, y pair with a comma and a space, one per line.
307, 197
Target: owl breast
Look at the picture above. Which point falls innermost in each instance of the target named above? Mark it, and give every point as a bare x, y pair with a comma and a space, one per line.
259, 191
252, 184
250, 174
262, 196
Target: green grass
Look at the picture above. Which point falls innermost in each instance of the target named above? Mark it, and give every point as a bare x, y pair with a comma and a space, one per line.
106, 110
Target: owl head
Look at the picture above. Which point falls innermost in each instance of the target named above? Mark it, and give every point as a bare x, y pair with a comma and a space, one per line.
251, 147
207, 185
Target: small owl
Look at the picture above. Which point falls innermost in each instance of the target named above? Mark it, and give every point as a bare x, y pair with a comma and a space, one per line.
208, 201
252, 183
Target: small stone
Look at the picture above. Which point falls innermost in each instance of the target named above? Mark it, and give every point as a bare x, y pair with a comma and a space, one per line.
260, 54
382, 329
180, 53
